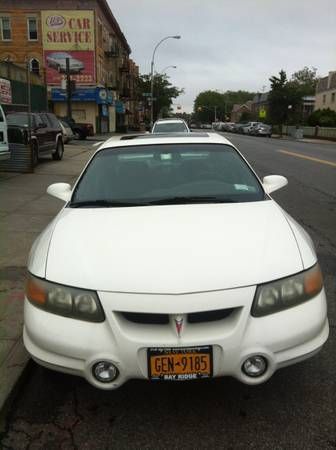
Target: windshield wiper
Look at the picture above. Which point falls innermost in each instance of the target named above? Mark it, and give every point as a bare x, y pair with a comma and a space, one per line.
103, 204
181, 200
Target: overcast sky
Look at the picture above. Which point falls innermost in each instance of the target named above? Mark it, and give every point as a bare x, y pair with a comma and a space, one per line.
229, 45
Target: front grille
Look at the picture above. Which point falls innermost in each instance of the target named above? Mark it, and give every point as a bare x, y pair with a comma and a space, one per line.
209, 316
163, 319
147, 319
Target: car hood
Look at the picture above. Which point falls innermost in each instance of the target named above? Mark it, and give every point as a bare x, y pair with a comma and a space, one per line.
172, 249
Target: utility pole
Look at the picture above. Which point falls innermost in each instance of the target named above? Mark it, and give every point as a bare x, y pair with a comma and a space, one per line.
68, 88
29, 117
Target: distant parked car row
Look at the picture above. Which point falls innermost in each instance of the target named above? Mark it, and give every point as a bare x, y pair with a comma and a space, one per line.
250, 128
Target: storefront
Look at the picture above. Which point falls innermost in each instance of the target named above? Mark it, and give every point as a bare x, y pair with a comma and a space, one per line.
90, 105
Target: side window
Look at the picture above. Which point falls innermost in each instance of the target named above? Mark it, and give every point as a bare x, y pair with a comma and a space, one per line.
38, 120
45, 119
32, 28
53, 121
6, 29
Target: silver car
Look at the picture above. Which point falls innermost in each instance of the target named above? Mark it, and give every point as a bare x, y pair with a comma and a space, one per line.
57, 61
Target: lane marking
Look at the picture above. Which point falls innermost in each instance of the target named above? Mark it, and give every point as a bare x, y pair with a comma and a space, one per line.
310, 158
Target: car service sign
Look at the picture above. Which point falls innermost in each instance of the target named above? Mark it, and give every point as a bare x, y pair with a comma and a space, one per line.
69, 34
5, 91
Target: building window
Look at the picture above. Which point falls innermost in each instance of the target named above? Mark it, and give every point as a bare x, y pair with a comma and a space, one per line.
32, 28
35, 66
333, 97
324, 98
6, 32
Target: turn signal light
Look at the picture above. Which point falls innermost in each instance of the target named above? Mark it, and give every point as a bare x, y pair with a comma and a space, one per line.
35, 292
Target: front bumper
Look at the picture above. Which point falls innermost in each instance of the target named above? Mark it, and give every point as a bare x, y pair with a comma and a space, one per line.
74, 346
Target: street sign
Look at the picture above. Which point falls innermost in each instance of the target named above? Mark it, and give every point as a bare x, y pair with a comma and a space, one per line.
262, 113
146, 94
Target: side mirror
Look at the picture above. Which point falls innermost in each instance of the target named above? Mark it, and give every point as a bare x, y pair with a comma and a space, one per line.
60, 190
272, 183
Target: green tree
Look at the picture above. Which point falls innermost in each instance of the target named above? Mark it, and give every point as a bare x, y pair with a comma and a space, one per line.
206, 101
323, 118
306, 80
164, 93
285, 100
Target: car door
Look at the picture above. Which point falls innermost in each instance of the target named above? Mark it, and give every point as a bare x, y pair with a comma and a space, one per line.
50, 133
39, 132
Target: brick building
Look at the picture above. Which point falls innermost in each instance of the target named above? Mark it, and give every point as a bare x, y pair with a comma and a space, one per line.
87, 34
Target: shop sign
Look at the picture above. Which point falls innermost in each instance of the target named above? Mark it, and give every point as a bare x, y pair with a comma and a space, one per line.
68, 34
97, 95
120, 107
5, 91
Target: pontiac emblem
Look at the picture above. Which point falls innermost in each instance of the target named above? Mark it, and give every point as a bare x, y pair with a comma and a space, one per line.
179, 325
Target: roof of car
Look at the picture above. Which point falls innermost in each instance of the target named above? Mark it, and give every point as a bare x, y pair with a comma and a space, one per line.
164, 138
170, 120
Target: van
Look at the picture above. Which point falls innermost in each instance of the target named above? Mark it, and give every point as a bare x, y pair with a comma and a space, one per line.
4, 147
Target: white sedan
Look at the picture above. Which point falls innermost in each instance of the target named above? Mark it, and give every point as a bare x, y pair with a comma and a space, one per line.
170, 261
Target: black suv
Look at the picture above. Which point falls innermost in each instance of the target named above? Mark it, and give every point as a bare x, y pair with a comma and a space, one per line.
46, 133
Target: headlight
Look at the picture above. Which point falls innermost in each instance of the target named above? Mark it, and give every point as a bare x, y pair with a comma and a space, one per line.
287, 292
64, 300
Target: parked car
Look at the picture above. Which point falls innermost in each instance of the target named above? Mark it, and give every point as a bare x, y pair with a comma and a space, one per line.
4, 146
249, 126
67, 132
261, 129
228, 126
45, 136
239, 127
171, 261
170, 126
57, 61
80, 130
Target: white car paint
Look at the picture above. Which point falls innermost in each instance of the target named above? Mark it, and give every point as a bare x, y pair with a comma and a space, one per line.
168, 122
4, 146
175, 260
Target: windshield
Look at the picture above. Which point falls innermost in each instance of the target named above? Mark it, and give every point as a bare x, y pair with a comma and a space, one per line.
60, 55
170, 127
169, 173
18, 119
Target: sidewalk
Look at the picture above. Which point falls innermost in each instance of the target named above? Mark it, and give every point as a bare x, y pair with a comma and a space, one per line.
308, 140
25, 210
105, 136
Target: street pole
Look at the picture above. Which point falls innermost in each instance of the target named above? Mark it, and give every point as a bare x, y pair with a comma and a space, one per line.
29, 117
215, 113
68, 88
152, 74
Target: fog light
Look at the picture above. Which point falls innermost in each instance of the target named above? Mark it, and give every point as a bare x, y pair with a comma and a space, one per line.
255, 366
105, 371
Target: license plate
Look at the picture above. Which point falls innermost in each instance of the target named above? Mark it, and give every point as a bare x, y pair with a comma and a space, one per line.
181, 363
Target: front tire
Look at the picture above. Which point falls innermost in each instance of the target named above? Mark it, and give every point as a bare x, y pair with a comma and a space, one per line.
58, 154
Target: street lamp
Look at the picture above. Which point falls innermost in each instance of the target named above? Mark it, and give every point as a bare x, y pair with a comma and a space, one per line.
152, 70
168, 67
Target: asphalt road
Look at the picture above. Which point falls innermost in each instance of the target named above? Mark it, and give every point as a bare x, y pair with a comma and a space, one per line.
296, 409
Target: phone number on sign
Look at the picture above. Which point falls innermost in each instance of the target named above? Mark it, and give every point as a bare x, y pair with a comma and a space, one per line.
81, 78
